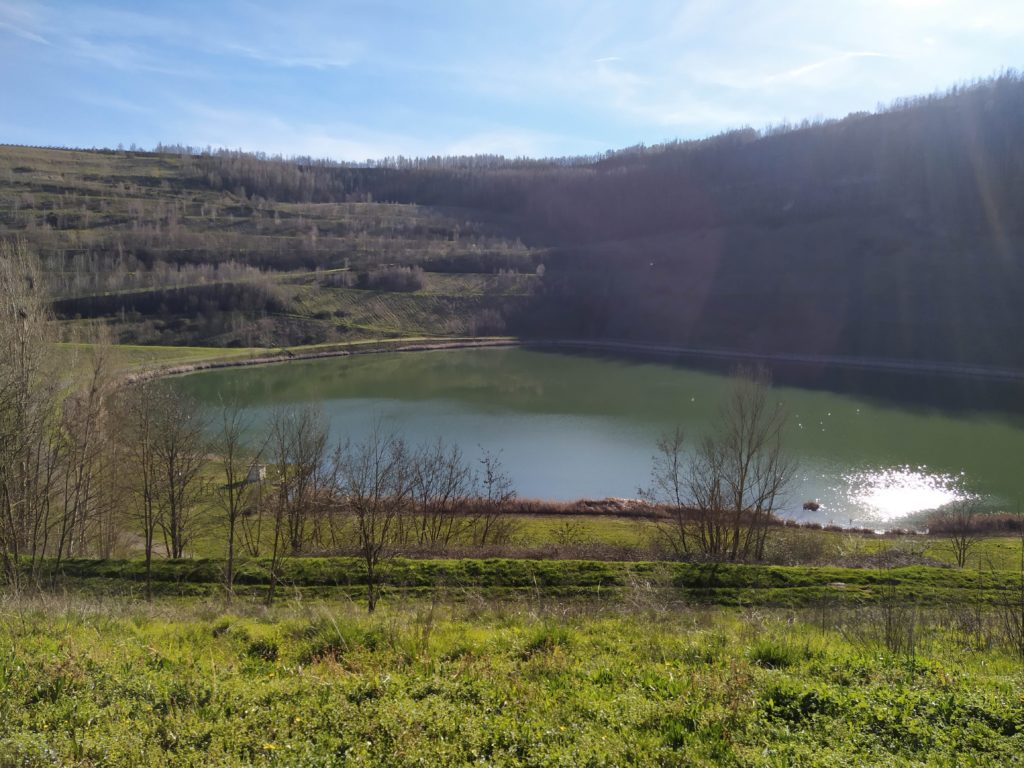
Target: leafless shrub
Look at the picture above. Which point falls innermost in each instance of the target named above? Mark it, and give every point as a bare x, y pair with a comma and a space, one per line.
396, 278
959, 522
804, 548
495, 524
1011, 610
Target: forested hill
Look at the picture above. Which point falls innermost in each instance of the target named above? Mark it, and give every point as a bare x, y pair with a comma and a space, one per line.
895, 234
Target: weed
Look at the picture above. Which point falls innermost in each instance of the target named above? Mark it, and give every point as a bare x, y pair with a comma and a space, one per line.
266, 650
545, 638
772, 653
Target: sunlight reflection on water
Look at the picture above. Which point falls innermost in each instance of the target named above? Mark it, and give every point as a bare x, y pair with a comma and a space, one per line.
887, 494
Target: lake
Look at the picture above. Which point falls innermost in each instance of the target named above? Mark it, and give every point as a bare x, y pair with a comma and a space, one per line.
872, 447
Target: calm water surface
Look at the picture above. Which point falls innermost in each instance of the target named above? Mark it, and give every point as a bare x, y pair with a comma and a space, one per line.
872, 447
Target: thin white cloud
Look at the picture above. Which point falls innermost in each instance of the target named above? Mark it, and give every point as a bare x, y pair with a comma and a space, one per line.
128, 57
25, 34
118, 39
115, 103
512, 142
294, 35
342, 58
21, 21
253, 130
122, 38
95, 21
202, 124
800, 73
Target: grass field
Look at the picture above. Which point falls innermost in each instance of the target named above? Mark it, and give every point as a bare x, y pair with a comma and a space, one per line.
641, 681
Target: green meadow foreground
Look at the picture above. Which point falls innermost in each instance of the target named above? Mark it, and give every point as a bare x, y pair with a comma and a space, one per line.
642, 673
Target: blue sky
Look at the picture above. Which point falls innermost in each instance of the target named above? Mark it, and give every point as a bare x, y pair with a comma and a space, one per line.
356, 80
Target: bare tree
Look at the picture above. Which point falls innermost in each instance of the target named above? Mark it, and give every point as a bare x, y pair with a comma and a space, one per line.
238, 467
86, 459
734, 482
375, 486
30, 393
741, 474
279, 447
440, 490
180, 453
136, 441
669, 478
250, 522
162, 449
959, 521
494, 524
297, 446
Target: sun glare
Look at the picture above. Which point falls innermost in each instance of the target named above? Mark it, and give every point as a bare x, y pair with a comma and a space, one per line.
895, 492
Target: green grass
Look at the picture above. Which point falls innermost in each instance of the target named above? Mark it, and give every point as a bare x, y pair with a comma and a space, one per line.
797, 545
988, 553
443, 284
711, 583
184, 683
134, 357
362, 313
537, 530
995, 552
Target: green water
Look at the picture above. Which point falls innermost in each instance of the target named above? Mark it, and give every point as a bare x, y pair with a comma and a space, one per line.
871, 447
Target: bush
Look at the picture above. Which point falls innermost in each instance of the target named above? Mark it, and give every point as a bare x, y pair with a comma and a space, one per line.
397, 279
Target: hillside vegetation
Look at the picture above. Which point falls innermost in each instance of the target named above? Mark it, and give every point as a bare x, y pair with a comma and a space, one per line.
147, 243
897, 234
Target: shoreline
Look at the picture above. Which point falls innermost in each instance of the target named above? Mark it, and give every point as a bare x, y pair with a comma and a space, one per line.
889, 365
287, 356
657, 351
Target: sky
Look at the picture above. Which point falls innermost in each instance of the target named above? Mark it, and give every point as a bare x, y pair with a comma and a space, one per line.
355, 80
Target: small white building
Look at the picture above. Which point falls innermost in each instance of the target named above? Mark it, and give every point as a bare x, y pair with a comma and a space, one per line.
257, 473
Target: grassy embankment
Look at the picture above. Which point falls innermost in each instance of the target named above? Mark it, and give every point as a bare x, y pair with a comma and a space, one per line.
711, 583
606, 537
646, 681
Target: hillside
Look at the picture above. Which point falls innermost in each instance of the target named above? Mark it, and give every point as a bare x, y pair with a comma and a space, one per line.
898, 234
141, 242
